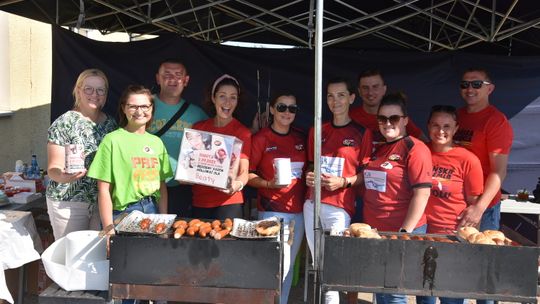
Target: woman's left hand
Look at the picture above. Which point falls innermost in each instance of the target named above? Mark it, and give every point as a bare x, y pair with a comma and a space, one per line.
235, 186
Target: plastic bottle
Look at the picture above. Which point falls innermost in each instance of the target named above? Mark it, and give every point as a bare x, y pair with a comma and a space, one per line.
35, 168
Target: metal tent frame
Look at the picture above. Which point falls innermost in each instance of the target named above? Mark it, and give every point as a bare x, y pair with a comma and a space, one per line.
484, 26
487, 26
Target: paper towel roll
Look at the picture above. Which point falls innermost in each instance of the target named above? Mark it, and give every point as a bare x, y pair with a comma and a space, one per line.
282, 168
85, 246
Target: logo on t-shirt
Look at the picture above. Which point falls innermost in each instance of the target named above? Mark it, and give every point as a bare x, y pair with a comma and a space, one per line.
387, 165
148, 150
348, 142
299, 147
394, 157
268, 149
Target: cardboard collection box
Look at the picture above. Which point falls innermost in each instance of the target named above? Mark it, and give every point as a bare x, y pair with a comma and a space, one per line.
207, 158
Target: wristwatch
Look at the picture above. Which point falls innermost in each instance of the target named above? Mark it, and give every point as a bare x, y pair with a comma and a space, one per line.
348, 183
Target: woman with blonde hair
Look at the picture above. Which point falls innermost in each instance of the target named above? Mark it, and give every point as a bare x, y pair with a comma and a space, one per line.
72, 197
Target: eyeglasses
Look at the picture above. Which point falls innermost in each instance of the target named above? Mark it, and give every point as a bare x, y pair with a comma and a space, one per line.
393, 119
475, 84
134, 108
90, 91
281, 107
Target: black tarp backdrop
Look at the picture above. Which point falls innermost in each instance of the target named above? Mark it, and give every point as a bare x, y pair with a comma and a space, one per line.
427, 79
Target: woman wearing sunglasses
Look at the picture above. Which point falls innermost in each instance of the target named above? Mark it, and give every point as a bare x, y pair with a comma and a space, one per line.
457, 178
281, 140
131, 165
72, 197
397, 178
343, 145
212, 203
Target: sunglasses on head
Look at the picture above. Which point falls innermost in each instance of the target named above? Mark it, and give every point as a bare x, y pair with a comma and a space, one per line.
393, 119
475, 84
281, 107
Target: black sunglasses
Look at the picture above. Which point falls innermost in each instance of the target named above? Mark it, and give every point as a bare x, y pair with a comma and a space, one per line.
281, 107
475, 84
393, 119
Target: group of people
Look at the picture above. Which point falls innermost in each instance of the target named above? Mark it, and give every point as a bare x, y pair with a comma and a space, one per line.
376, 165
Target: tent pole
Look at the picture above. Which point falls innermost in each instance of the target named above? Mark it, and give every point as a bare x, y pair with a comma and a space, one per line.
317, 143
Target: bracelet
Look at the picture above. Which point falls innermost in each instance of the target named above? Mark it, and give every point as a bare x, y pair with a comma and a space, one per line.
267, 184
241, 185
344, 185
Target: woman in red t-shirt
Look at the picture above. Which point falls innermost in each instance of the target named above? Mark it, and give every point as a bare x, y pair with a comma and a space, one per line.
457, 179
457, 173
284, 201
213, 203
397, 178
343, 145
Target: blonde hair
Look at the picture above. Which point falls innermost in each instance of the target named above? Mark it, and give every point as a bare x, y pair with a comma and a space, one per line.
82, 77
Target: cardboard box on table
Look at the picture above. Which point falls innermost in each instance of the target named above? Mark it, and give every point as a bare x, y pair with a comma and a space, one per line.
207, 158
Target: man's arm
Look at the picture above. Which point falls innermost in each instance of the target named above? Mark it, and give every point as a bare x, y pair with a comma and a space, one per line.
472, 215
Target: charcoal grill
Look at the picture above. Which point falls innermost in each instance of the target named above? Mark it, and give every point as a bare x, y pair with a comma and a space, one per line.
195, 270
506, 273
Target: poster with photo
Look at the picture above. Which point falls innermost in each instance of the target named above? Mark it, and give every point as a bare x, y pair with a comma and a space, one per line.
207, 158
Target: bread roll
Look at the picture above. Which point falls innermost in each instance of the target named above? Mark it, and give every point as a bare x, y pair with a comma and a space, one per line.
268, 228
356, 228
495, 235
368, 234
361, 226
476, 237
485, 241
465, 232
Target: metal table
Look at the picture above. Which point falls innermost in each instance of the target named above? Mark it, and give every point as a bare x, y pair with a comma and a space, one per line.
520, 209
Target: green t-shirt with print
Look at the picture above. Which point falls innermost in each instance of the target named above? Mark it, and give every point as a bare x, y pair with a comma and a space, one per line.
134, 165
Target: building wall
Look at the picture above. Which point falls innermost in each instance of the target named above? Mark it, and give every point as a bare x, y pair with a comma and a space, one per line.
29, 52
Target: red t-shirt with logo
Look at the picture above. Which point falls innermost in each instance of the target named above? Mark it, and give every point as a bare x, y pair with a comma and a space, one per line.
457, 174
482, 133
342, 149
267, 145
369, 121
394, 170
209, 197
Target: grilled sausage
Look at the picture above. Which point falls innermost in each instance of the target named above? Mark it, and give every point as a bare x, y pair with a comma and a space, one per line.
179, 232
204, 230
192, 230
193, 222
227, 224
144, 224
216, 223
180, 223
221, 234
160, 227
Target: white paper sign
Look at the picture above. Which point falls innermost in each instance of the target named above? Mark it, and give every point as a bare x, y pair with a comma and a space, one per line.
332, 165
375, 180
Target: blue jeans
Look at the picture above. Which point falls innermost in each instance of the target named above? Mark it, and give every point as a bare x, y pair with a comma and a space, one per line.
146, 205
431, 300
389, 298
491, 218
289, 250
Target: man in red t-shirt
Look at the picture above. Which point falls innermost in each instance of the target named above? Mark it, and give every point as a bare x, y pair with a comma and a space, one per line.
487, 133
371, 89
